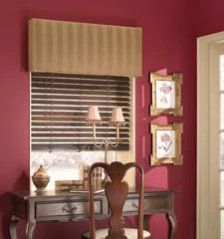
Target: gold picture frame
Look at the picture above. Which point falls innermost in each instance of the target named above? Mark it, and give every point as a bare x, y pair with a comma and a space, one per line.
166, 94
166, 144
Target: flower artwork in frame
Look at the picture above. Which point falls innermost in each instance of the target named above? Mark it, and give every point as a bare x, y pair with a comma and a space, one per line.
166, 141
166, 94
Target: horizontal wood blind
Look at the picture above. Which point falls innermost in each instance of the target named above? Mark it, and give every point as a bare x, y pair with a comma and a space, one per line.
87, 49
59, 105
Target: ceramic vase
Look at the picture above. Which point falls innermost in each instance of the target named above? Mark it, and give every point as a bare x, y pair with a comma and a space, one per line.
40, 179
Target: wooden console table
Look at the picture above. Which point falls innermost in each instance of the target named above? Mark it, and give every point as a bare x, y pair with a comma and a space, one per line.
65, 206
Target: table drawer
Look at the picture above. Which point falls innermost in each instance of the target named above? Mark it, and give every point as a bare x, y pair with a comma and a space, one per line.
65, 208
150, 204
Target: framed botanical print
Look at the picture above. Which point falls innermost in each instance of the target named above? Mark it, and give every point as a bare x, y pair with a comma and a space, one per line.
166, 144
166, 94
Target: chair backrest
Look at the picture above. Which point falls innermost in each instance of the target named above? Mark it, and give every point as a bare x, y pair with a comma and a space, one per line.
116, 191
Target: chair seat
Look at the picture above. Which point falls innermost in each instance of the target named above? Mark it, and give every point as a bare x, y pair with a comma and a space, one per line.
130, 233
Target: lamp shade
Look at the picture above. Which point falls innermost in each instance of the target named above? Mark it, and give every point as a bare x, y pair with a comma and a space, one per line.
117, 116
93, 114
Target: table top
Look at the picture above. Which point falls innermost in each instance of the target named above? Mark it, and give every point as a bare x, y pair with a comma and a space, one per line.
33, 194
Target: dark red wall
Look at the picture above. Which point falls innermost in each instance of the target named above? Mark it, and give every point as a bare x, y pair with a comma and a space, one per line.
168, 42
210, 18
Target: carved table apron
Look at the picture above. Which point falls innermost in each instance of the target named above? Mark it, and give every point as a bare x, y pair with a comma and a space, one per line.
65, 206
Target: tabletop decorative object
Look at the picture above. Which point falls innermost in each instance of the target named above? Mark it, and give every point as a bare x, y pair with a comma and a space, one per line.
40, 179
117, 120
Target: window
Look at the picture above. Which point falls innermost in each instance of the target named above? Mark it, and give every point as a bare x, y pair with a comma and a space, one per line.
59, 104
221, 66
210, 184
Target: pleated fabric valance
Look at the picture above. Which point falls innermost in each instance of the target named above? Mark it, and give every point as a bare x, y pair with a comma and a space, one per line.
80, 48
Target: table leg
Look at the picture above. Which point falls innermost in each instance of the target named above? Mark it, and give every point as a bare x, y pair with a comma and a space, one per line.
172, 225
12, 226
30, 226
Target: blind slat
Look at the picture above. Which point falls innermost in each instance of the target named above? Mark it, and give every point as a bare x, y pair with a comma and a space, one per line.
67, 146
68, 108
62, 113
83, 92
77, 124
80, 98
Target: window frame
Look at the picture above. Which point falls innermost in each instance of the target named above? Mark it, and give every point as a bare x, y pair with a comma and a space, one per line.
208, 197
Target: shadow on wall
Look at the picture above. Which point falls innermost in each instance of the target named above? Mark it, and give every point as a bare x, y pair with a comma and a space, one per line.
5, 208
158, 177
179, 178
22, 183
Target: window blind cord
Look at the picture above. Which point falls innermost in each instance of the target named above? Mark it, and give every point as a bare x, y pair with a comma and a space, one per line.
51, 113
78, 148
46, 112
107, 104
106, 140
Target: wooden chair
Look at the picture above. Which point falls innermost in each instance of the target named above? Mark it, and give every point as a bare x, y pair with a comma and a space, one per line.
116, 191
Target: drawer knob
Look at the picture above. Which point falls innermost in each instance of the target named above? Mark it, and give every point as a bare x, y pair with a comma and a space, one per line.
136, 205
69, 210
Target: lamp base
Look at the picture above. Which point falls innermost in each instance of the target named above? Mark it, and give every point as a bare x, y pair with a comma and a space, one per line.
105, 181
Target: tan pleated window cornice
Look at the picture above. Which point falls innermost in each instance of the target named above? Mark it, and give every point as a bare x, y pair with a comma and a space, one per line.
88, 49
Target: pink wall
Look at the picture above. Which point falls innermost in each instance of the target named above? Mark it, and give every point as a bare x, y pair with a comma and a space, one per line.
168, 42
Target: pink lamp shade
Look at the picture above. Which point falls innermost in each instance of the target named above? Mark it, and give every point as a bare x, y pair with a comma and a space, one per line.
117, 116
93, 114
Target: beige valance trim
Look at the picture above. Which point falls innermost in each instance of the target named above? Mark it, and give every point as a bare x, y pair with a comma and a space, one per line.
80, 48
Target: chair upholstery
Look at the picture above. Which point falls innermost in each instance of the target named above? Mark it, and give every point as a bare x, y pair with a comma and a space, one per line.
116, 191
